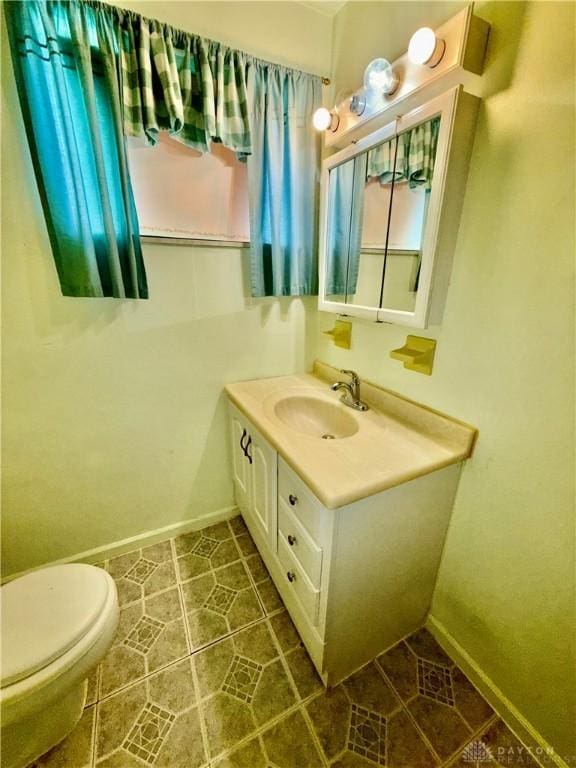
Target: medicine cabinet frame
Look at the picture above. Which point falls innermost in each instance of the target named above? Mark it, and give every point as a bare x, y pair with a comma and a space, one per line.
457, 111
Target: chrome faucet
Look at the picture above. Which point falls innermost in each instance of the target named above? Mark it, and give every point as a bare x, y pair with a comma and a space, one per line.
351, 396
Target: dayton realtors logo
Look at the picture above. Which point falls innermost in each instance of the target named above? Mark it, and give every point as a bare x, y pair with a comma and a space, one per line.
477, 753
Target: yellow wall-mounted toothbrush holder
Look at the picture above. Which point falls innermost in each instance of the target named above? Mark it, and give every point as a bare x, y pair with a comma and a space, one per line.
417, 354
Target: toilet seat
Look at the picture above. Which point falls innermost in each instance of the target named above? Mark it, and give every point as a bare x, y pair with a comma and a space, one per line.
47, 613
57, 625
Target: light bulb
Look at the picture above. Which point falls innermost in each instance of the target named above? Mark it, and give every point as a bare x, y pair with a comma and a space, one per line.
426, 48
379, 77
357, 103
324, 119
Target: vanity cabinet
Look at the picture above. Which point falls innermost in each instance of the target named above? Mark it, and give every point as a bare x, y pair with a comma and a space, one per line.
254, 465
355, 579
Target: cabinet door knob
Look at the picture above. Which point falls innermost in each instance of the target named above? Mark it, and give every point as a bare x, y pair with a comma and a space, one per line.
244, 433
291, 539
291, 576
293, 499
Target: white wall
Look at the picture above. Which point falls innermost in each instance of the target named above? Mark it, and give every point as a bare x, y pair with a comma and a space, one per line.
114, 420
505, 355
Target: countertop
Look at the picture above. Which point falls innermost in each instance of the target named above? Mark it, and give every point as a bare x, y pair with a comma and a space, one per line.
397, 440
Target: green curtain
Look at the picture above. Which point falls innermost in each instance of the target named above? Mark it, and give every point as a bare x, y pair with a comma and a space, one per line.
68, 87
414, 160
283, 181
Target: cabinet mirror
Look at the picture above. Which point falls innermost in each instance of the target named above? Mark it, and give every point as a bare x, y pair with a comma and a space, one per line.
382, 204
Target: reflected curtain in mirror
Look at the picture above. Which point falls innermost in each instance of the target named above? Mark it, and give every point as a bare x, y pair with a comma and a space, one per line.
68, 89
344, 234
414, 161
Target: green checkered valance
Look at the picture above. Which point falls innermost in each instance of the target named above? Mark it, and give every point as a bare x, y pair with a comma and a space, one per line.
187, 85
409, 159
192, 87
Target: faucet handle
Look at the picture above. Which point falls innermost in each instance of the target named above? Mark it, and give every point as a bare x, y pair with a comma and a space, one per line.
353, 375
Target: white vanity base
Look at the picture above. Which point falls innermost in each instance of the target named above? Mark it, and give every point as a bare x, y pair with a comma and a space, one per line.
356, 579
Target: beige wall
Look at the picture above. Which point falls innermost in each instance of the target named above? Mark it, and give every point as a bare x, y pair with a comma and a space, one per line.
504, 360
114, 420
285, 32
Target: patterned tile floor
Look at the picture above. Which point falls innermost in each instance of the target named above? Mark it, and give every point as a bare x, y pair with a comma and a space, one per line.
207, 671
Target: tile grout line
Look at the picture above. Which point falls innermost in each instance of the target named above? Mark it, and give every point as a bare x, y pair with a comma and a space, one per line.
411, 717
244, 559
181, 598
315, 739
94, 734
254, 583
304, 712
200, 708
96, 718
255, 588
263, 749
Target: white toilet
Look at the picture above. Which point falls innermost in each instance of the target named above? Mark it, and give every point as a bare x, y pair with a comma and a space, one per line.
57, 624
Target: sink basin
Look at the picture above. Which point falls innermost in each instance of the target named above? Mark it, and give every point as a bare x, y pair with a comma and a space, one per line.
316, 417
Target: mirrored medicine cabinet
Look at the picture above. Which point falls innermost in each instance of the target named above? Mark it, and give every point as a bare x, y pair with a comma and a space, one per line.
390, 208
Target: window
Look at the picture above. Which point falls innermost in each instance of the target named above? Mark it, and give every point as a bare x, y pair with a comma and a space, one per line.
181, 193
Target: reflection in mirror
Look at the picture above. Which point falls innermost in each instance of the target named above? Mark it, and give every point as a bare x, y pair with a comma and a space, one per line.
407, 181
377, 206
344, 232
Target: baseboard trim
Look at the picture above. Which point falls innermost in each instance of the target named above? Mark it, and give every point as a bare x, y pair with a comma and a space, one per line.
528, 735
139, 541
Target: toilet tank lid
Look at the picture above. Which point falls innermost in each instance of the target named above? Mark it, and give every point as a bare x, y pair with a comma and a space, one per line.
45, 613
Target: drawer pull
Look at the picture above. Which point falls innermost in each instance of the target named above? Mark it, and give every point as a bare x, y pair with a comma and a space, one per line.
291, 539
291, 576
293, 499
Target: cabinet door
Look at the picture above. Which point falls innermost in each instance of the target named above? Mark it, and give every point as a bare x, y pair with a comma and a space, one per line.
240, 462
263, 499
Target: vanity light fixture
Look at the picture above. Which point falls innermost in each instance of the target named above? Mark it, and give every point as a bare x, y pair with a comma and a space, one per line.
425, 48
324, 120
379, 77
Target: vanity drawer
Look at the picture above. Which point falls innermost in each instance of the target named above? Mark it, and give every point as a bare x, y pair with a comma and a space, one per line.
299, 584
299, 499
302, 545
